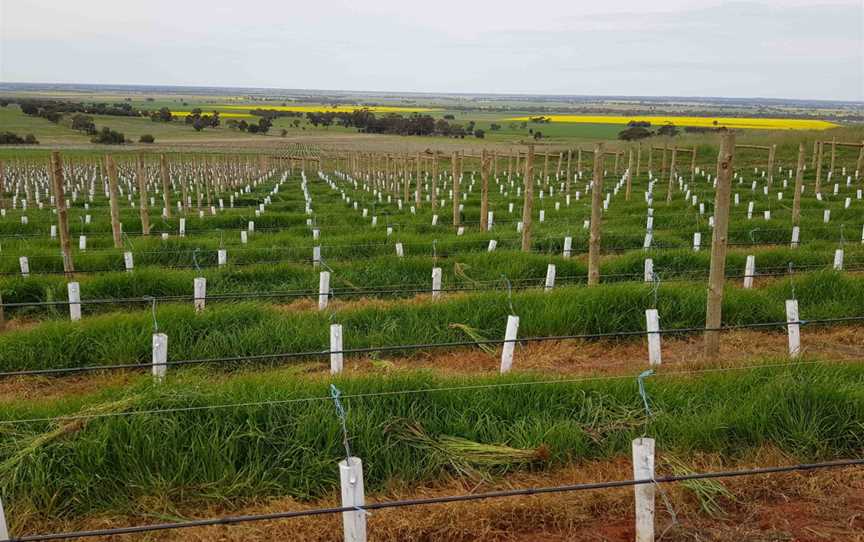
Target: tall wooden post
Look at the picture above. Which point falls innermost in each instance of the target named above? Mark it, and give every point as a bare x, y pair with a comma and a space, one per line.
671, 172
434, 194
569, 175
771, 151
859, 165
2, 186
142, 197
693, 164
111, 168
545, 178
528, 200
799, 181
596, 218
454, 166
418, 192
484, 191
663, 160
166, 184
818, 186
62, 213
579, 160
629, 176
833, 153
638, 158
717, 275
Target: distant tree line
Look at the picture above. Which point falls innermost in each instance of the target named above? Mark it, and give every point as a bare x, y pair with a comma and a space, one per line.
200, 120
54, 110
261, 127
11, 138
365, 121
640, 130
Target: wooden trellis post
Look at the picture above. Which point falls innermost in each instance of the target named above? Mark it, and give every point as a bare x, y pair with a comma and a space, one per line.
166, 184
528, 200
799, 181
62, 213
142, 197
111, 168
596, 218
455, 169
484, 191
717, 275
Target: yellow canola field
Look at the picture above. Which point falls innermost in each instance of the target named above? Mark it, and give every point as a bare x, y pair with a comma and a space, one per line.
329, 108
706, 122
221, 114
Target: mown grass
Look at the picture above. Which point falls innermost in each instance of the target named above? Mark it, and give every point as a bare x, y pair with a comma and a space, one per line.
67, 469
244, 329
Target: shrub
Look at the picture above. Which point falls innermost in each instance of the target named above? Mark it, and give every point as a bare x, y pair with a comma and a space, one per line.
107, 136
146, 138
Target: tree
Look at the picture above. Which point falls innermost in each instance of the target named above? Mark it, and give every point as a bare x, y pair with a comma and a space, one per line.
634, 133
146, 138
163, 115
83, 123
494, 127
479, 134
283, 132
11, 138
107, 136
538, 135
667, 130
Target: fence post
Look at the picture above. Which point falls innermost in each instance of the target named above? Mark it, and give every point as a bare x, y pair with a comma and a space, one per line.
652, 326
62, 212
160, 356
528, 200
793, 327
799, 181
336, 356
596, 218
74, 291
114, 201
717, 274
323, 290
200, 286
484, 191
643, 469
351, 479
509, 343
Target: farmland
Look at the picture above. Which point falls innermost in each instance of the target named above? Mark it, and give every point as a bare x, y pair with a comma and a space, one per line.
204, 327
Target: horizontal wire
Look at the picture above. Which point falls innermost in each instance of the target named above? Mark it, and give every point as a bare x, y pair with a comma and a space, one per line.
230, 520
396, 348
391, 393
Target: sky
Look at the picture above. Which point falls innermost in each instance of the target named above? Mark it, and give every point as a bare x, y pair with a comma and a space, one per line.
806, 49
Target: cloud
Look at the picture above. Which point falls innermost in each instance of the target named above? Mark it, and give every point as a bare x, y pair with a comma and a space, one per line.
772, 48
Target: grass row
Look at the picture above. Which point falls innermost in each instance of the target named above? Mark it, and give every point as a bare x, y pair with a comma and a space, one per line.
119, 464
245, 329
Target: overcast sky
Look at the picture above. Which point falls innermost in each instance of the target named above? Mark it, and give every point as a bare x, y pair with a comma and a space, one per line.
764, 48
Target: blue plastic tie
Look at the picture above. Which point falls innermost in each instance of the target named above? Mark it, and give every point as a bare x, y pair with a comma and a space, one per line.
641, 380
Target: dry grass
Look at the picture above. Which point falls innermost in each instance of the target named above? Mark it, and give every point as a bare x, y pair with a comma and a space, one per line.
816, 506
